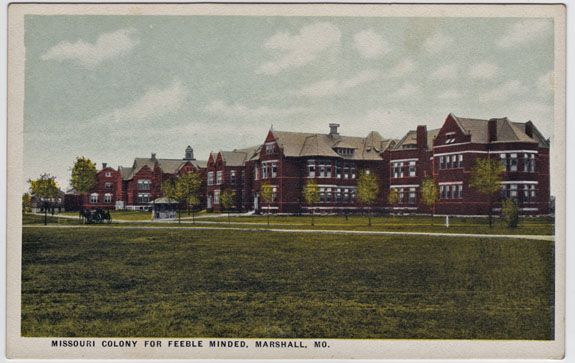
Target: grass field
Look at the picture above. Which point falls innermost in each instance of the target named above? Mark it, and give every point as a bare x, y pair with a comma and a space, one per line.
189, 283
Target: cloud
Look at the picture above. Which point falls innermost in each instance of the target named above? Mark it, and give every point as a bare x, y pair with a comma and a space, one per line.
447, 71
402, 68
483, 70
437, 42
449, 94
334, 86
300, 49
503, 92
154, 103
545, 83
524, 31
408, 89
89, 55
221, 108
370, 44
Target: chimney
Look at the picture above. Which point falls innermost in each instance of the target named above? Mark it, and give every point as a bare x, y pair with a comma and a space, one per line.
153, 156
421, 137
529, 128
333, 129
492, 129
104, 165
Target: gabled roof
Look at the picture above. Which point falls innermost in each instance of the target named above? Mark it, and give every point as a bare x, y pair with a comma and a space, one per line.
507, 131
297, 144
411, 139
168, 166
238, 157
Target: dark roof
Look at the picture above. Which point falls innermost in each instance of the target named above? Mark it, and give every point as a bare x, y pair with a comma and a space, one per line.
507, 131
297, 144
168, 166
411, 139
238, 157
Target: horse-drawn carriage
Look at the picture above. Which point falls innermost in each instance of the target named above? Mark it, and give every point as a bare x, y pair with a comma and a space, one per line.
99, 215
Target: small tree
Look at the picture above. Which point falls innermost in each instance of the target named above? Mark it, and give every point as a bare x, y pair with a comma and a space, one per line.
486, 177
169, 191
393, 197
227, 200
267, 193
83, 177
185, 188
311, 196
193, 202
510, 213
26, 202
429, 194
44, 189
367, 191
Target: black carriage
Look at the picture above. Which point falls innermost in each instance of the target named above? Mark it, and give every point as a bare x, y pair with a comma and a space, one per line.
98, 216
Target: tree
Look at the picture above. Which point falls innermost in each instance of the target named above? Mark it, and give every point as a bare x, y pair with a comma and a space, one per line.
227, 200
429, 194
367, 190
184, 189
44, 189
393, 197
311, 196
267, 193
486, 177
83, 177
26, 202
510, 213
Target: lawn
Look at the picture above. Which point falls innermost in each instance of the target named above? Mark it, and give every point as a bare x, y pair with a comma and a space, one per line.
110, 281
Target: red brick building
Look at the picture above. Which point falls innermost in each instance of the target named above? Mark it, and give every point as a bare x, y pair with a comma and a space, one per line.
134, 187
287, 160
230, 170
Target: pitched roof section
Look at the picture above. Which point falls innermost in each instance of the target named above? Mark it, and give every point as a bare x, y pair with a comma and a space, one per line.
411, 139
298, 144
507, 131
168, 166
238, 157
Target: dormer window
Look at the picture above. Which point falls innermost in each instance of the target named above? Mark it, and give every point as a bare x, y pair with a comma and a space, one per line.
409, 146
270, 148
344, 151
450, 137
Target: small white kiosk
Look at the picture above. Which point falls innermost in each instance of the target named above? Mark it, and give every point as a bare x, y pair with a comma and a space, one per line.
164, 208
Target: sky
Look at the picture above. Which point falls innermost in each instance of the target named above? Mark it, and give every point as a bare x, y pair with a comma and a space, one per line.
113, 88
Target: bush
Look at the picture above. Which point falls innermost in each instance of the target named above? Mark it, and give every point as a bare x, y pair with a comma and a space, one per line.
510, 213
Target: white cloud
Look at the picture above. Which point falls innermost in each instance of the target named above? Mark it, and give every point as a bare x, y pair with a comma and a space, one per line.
437, 42
449, 94
221, 108
334, 86
483, 70
300, 49
402, 68
408, 89
524, 31
447, 71
370, 44
503, 92
545, 83
89, 55
154, 103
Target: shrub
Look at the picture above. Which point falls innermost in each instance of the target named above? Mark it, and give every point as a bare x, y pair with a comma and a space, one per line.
510, 213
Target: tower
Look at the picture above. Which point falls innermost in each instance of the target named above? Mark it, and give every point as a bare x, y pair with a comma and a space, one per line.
189, 155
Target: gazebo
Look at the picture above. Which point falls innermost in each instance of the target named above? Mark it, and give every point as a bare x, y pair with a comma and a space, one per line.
164, 208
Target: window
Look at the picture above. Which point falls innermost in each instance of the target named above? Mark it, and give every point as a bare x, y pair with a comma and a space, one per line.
144, 184
460, 191
412, 168
311, 168
264, 170
345, 170
451, 161
269, 148
107, 185
322, 195
411, 197
232, 177
143, 198
94, 198
338, 169
274, 169
352, 170
219, 177
108, 198
442, 162
338, 195
460, 161
513, 162
108, 174
216, 197
397, 169
274, 194
401, 196
529, 163
529, 193
210, 178
256, 171
324, 169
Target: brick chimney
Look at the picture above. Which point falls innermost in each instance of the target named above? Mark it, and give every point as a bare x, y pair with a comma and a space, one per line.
153, 156
104, 165
333, 130
529, 128
492, 129
422, 137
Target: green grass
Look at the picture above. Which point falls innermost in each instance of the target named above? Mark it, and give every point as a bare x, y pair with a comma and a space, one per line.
110, 281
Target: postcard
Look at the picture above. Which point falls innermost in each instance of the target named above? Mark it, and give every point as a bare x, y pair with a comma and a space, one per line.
286, 181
